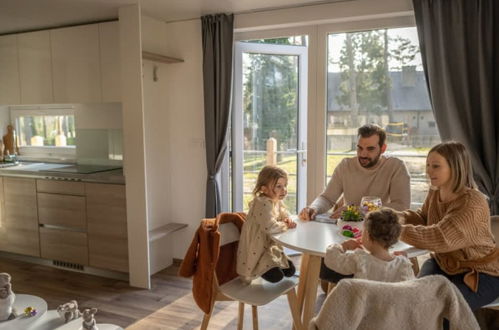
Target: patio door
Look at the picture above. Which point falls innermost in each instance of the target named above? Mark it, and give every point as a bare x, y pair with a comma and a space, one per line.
269, 118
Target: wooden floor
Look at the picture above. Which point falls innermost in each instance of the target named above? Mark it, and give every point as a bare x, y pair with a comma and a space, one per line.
168, 305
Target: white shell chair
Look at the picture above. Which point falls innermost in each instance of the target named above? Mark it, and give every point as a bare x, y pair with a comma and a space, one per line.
258, 293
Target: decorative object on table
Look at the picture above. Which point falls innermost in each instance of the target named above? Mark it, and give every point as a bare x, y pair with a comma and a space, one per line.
69, 311
351, 222
30, 311
89, 322
369, 204
10, 143
7, 297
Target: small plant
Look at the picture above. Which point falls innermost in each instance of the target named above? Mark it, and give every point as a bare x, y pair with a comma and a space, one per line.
352, 213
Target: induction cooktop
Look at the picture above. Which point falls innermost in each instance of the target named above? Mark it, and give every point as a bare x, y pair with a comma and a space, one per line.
83, 169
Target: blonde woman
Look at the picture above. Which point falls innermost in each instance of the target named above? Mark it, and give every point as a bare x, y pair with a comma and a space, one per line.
257, 254
454, 223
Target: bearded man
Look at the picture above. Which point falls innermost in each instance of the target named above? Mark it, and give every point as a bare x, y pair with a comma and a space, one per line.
370, 173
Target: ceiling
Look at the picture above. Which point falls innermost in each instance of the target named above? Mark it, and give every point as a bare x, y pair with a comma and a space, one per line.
26, 15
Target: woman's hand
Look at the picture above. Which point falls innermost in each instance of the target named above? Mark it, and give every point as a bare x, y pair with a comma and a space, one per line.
351, 244
290, 223
307, 214
400, 253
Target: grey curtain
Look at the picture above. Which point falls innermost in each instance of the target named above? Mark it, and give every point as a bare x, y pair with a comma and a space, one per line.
459, 42
218, 32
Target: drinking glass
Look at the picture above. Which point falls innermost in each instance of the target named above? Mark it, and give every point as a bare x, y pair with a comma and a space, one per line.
370, 203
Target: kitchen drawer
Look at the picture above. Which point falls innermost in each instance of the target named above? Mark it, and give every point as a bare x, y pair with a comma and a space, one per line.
64, 245
60, 187
62, 210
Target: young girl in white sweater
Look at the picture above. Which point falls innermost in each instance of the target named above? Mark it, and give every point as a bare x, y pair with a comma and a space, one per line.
258, 255
369, 258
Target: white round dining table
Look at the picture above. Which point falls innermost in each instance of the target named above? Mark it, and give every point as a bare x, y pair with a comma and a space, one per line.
312, 239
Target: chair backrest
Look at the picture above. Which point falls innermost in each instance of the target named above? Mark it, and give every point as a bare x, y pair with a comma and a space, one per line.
229, 233
365, 304
494, 223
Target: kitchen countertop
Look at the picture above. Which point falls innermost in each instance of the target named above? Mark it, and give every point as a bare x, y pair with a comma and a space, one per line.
38, 170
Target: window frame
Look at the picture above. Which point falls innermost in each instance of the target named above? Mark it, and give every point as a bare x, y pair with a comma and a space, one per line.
317, 87
66, 153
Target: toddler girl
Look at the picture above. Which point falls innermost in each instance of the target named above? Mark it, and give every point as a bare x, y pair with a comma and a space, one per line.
369, 258
258, 254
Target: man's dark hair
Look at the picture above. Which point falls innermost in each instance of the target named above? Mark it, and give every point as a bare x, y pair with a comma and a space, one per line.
371, 129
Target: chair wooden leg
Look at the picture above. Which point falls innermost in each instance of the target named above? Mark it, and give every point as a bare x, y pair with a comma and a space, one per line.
206, 320
295, 309
415, 266
255, 317
330, 287
240, 316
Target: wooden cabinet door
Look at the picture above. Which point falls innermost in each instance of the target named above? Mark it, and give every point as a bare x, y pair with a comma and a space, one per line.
35, 67
107, 226
20, 221
109, 38
76, 64
9, 72
64, 245
62, 210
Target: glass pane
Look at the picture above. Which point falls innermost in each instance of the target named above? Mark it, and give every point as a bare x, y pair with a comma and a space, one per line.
270, 118
377, 77
58, 131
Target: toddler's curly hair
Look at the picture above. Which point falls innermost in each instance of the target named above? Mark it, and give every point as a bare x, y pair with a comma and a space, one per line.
383, 227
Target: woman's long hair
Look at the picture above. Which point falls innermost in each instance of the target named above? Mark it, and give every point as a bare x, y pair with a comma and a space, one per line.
459, 162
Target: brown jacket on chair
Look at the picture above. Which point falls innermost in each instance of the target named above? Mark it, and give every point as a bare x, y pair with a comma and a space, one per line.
205, 256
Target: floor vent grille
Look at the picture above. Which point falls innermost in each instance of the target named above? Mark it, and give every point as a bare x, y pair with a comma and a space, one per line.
70, 265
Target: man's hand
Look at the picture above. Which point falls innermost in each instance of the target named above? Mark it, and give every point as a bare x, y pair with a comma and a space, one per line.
400, 253
307, 214
351, 244
290, 223
337, 213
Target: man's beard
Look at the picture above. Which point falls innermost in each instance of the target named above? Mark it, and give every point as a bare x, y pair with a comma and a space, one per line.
371, 163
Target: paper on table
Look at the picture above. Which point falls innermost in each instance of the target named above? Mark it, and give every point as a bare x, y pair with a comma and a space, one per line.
325, 217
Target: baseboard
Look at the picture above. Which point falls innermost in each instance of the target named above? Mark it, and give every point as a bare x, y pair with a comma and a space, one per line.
67, 266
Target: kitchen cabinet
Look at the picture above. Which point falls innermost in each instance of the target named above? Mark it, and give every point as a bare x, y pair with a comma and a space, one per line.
109, 40
107, 226
9, 73
19, 232
62, 219
76, 68
35, 67
62, 210
63, 245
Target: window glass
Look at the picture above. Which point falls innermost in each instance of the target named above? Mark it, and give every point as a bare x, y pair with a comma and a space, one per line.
377, 77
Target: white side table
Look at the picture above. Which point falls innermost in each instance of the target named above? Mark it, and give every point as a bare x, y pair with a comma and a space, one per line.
52, 321
22, 322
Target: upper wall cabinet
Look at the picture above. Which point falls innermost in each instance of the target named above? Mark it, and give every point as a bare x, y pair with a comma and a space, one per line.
9, 74
76, 69
109, 39
35, 68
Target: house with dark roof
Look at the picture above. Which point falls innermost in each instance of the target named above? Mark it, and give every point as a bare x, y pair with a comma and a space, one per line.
411, 108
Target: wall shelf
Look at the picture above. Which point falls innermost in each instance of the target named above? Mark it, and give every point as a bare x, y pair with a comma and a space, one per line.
160, 58
163, 231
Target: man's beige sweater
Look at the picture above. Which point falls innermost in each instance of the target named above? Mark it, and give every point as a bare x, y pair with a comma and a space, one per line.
388, 179
457, 231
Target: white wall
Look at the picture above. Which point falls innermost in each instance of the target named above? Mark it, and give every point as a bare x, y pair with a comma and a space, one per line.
133, 139
186, 130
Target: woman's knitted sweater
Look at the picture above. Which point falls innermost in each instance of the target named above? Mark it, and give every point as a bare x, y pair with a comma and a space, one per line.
457, 231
